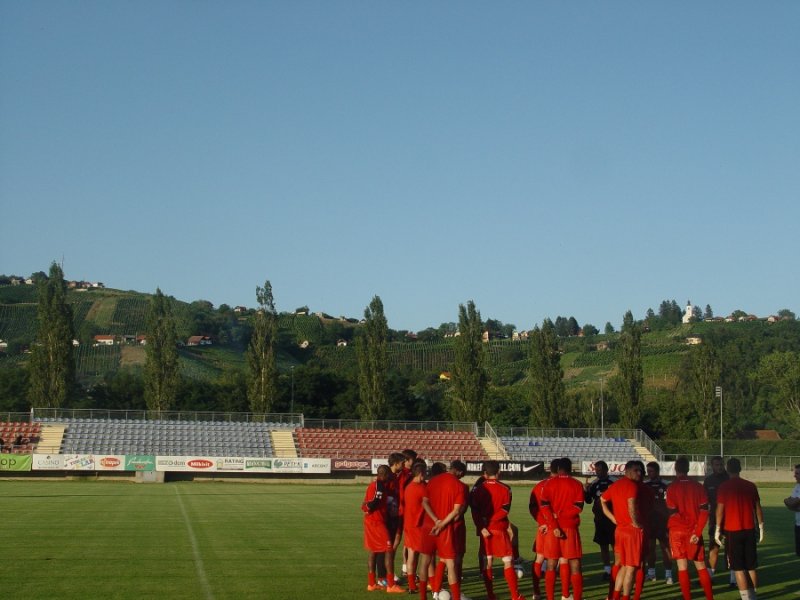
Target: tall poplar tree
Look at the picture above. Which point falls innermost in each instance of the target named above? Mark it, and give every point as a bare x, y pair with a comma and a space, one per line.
469, 378
372, 362
262, 385
52, 366
546, 376
628, 384
705, 370
161, 368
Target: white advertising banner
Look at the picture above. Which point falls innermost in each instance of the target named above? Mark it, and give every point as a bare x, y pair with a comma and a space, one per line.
194, 464
94, 462
48, 462
316, 465
696, 468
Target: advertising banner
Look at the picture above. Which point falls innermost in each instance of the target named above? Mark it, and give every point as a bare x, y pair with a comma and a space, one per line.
351, 464
510, 468
48, 462
696, 468
79, 462
15, 462
109, 462
140, 462
316, 465
186, 463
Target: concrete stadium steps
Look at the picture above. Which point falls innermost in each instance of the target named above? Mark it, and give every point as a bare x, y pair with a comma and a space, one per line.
283, 444
51, 438
646, 455
493, 450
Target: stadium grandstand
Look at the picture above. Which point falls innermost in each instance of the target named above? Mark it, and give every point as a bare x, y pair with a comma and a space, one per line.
67, 431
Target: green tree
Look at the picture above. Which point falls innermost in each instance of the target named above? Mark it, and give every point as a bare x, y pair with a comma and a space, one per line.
609, 328
469, 377
546, 377
161, 368
704, 370
708, 313
372, 362
52, 365
629, 382
780, 371
262, 376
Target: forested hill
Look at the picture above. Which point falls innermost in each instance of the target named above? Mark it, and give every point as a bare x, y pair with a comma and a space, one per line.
318, 367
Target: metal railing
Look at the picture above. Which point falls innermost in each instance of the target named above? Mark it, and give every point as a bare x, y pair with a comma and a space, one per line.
153, 415
489, 432
750, 462
391, 425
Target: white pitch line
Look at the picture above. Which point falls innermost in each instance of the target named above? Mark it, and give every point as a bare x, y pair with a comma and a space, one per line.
198, 560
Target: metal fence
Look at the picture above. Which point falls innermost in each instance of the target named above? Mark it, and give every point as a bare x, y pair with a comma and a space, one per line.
751, 462
152, 415
391, 425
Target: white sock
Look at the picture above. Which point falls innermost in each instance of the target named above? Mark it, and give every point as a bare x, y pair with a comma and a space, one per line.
711, 571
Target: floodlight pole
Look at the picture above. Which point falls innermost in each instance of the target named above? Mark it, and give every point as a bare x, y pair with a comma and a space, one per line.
291, 409
718, 393
602, 417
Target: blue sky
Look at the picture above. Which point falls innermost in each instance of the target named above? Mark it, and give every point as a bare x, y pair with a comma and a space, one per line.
542, 159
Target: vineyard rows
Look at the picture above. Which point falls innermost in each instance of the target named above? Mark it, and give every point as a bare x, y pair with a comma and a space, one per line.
93, 362
130, 316
17, 321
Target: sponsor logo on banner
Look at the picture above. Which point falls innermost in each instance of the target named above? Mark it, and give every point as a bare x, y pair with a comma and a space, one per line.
79, 462
316, 465
15, 462
258, 465
140, 462
228, 463
109, 463
351, 464
48, 462
696, 468
519, 468
185, 463
287, 465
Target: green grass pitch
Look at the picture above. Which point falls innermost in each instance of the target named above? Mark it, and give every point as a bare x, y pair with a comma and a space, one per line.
94, 539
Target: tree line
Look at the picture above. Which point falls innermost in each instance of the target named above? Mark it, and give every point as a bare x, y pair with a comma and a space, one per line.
757, 369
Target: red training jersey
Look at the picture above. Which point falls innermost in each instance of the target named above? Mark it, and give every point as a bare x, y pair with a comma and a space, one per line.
688, 503
562, 502
491, 504
535, 502
739, 497
415, 492
618, 494
443, 493
374, 504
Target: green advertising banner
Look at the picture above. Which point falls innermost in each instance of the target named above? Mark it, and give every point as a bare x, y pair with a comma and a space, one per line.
16, 462
140, 462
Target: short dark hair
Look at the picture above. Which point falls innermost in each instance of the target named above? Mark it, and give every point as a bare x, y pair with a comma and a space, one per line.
654, 465
419, 468
554, 465
565, 464
459, 466
733, 466
396, 457
602, 464
491, 467
438, 468
409, 453
682, 465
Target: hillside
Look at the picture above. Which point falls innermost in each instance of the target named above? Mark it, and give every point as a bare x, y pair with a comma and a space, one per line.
123, 314
317, 366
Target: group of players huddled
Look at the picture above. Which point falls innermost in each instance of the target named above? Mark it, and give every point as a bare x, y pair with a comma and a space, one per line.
426, 508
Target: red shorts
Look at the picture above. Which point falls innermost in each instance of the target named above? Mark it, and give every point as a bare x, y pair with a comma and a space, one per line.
538, 542
568, 546
681, 547
628, 545
498, 544
460, 537
444, 544
376, 537
412, 537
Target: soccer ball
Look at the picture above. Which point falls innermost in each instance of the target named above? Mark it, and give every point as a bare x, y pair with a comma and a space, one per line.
444, 595
520, 572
